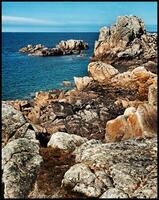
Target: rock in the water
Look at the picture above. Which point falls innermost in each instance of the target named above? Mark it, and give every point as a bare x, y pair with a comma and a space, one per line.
72, 45
67, 47
20, 162
65, 142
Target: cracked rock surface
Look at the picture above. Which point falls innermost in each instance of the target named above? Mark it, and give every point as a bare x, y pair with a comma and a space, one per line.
20, 162
129, 168
20, 153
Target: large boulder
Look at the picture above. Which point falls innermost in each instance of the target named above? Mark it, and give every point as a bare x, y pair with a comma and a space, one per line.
126, 43
102, 72
20, 153
64, 142
14, 125
139, 79
82, 82
125, 169
20, 163
133, 124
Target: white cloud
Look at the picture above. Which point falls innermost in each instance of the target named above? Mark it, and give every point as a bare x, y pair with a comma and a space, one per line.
12, 20
25, 20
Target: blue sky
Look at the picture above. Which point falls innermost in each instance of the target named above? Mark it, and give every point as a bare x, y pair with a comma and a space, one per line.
71, 16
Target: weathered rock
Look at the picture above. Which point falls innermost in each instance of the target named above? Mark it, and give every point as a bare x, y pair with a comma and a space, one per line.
72, 45
152, 94
137, 80
14, 124
102, 72
65, 142
127, 167
20, 162
126, 43
114, 193
133, 124
62, 109
82, 82
41, 98
67, 47
79, 178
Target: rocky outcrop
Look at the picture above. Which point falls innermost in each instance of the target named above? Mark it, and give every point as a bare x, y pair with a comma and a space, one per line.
133, 124
67, 47
20, 153
75, 45
20, 163
126, 44
128, 169
14, 125
139, 79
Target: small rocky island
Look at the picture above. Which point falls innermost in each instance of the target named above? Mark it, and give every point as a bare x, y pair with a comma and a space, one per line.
96, 140
67, 47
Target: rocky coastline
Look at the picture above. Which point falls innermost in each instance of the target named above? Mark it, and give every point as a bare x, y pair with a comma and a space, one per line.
96, 140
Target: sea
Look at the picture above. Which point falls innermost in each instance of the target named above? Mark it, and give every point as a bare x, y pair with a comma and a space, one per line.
23, 75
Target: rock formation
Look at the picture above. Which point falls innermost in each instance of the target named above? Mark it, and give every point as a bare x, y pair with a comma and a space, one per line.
125, 44
20, 154
67, 47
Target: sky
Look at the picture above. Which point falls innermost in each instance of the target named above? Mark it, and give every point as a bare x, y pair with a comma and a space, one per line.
71, 16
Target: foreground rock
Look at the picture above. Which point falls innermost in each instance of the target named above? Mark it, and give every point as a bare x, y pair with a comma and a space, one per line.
67, 47
126, 43
20, 163
20, 153
64, 142
14, 125
128, 168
